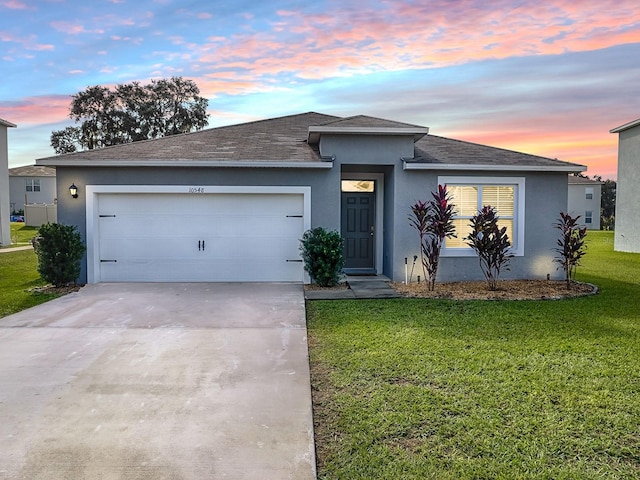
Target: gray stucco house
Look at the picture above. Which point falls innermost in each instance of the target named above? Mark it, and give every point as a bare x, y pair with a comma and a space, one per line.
627, 232
31, 184
231, 203
585, 197
5, 224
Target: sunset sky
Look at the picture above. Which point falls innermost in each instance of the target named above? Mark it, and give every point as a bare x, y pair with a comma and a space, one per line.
549, 78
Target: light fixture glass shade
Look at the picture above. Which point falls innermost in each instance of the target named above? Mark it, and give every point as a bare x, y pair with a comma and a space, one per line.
73, 190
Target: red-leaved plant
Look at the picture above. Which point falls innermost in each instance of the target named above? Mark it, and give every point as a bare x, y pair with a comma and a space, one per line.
571, 247
491, 243
434, 222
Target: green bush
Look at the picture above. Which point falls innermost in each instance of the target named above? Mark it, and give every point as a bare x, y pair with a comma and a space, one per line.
322, 253
59, 249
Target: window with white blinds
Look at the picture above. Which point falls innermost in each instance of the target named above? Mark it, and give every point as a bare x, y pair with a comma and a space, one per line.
470, 194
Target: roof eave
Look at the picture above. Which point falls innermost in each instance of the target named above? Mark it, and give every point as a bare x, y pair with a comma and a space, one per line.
183, 163
570, 168
626, 126
7, 123
315, 131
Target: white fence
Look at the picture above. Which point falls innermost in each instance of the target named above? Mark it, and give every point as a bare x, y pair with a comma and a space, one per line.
37, 214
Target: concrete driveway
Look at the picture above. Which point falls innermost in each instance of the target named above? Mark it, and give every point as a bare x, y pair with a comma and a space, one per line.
158, 381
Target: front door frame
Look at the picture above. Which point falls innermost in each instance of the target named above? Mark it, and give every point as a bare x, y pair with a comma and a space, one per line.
379, 213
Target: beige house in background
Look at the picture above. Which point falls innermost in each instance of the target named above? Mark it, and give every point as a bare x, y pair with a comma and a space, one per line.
627, 232
31, 184
584, 198
5, 225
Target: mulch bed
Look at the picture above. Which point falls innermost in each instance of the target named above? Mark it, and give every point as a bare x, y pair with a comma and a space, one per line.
63, 290
507, 290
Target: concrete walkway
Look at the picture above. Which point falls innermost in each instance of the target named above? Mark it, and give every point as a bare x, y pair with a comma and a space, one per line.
360, 287
158, 381
16, 249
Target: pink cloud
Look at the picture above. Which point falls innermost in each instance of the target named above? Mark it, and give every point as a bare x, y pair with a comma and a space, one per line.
68, 27
407, 36
28, 43
37, 110
14, 4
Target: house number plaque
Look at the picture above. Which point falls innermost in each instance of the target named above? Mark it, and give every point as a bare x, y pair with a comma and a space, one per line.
196, 189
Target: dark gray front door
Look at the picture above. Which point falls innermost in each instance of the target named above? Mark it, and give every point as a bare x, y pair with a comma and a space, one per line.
358, 213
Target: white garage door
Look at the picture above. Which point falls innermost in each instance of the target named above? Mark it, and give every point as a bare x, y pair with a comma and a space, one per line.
168, 237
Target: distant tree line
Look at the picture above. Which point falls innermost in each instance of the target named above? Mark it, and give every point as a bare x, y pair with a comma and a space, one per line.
131, 112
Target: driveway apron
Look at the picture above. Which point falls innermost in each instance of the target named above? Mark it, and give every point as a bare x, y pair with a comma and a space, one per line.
158, 381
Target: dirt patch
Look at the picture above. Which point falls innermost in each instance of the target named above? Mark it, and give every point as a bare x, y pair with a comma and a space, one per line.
63, 290
507, 290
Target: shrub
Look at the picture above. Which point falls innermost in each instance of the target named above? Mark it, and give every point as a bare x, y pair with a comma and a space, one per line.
433, 221
59, 249
322, 253
491, 244
571, 247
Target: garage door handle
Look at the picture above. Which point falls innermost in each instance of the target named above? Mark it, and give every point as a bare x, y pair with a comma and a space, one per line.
108, 261
201, 245
294, 260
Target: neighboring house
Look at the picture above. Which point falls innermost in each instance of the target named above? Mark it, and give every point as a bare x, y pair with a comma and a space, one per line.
31, 184
5, 224
231, 203
627, 231
584, 199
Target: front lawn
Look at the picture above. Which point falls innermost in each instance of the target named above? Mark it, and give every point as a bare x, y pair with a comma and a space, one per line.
21, 234
18, 275
418, 388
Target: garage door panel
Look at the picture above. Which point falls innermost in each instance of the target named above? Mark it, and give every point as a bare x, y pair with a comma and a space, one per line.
156, 237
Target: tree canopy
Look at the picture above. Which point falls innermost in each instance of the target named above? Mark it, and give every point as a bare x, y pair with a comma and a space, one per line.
131, 112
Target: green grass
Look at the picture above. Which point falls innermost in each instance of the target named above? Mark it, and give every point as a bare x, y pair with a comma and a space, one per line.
21, 234
415, 388
18, 274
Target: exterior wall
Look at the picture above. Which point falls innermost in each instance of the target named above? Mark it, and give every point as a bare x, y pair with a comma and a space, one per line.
545, 197
627, 231
367, 149
18, 191
325, 188
577, 203
5, 225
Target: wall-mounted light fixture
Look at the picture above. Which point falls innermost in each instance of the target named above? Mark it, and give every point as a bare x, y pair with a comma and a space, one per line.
73, 190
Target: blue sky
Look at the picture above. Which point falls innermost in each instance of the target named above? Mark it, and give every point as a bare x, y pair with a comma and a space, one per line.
549, 78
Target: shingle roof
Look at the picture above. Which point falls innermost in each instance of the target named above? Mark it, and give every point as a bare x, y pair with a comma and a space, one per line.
432, 149
364, 121
276, 141
573, 180
32, 171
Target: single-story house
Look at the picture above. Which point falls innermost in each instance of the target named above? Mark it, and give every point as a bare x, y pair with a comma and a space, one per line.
585, 196
627, 231
31, 184
231, 203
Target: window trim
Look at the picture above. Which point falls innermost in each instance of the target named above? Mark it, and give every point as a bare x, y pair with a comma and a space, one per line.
33, 184
518, 216
588, 193
588, 216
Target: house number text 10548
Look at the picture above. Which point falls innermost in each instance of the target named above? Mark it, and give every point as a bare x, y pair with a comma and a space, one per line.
196, 189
